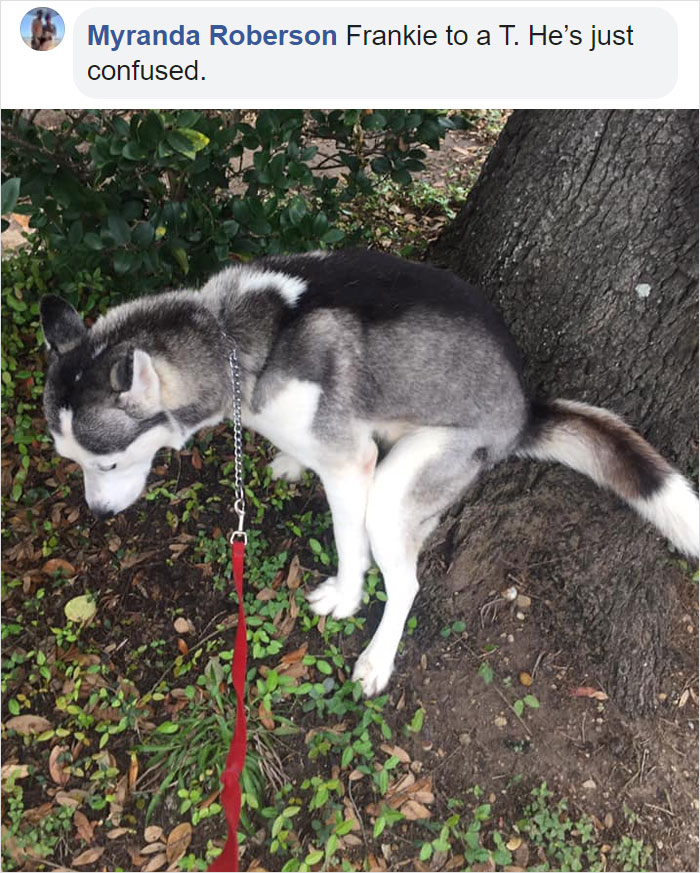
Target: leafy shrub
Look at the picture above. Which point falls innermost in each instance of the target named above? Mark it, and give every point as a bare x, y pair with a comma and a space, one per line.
154, 198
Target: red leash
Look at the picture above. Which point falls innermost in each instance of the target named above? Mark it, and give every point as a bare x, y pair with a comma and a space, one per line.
230, 778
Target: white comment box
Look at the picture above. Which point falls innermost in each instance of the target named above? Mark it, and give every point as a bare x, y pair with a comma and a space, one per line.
330, 54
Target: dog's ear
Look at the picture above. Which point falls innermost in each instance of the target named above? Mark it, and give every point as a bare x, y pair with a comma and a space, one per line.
135, 378
63, 327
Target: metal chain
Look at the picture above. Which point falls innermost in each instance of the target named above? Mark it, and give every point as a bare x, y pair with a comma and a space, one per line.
239, 503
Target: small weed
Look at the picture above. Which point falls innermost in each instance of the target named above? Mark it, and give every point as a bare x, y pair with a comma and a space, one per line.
457, 628
632, 854
568, 842
27, 839
415, 726
529, 700
486, 672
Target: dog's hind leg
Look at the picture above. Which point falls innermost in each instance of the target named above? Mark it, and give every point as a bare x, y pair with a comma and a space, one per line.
284, 466
420, 477
347, 483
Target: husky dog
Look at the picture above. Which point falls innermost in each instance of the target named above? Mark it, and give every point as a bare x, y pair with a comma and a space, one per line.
338, 352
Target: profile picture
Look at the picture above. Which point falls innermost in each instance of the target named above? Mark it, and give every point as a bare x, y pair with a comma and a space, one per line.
42, 28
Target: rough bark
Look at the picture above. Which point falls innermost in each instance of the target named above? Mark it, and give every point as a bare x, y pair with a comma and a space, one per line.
583, 229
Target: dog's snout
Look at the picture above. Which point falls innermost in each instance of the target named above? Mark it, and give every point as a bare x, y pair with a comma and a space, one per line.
102, 512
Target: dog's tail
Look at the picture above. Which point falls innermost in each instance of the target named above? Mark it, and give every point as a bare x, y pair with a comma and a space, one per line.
600, 445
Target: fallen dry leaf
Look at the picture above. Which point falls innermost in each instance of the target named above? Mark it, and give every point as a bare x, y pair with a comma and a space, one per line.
133, 771
152, 833
53, 565
266, 594
285, 626
294, 574
57, 771
265, 717
294, 671
153, 848
487, 866
296, 655
89, 856
413, 810
28, 724
84, 827
12, 847
424, 796
397, 752
521, 855
587, 691
14, 771
115, 833
183, 626
137, 861
68, 798
422, 786
38, 813
116, 807
156, 862
182, 646
402, 784
179, 839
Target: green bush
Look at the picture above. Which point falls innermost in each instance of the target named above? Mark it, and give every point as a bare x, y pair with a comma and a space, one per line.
156, 198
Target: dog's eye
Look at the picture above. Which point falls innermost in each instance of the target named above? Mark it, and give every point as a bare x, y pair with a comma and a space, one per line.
105, 469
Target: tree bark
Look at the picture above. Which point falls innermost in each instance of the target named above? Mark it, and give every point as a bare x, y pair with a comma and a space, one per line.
583, 229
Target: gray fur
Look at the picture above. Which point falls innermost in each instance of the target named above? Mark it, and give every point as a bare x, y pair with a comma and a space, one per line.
390, 371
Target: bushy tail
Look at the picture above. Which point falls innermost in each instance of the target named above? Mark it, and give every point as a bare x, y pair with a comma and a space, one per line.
600, 445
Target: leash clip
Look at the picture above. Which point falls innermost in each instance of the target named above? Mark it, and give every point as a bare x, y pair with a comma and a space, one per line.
239, 534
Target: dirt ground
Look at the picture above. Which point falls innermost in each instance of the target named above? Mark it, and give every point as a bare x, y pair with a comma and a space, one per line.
630, 774
635, 775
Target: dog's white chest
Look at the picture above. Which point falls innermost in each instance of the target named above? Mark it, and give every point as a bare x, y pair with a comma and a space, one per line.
287, 419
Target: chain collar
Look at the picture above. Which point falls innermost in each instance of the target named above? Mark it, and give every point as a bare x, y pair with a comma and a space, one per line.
239, 503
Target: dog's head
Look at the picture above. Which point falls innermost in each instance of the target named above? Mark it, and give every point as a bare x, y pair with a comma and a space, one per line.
103, 405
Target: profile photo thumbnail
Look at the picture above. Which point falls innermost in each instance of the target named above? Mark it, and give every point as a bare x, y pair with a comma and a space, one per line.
42, 29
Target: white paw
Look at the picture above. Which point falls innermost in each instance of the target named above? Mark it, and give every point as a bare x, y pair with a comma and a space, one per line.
372, 672
284, 466
332, 597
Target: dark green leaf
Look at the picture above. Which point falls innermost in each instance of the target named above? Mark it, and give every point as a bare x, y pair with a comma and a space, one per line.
93, 241
143, 234
334, 235
118, 229
123, 261
9, 194
132, 151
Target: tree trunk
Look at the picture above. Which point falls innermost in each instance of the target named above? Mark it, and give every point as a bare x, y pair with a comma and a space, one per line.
583, 229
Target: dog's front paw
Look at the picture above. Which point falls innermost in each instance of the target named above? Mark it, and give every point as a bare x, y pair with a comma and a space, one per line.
334, 598
284, 466
372, 672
